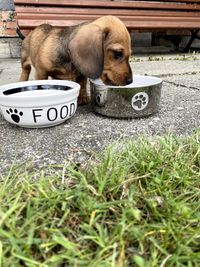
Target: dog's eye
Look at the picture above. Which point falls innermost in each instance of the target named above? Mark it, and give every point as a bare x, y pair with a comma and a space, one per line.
118, 55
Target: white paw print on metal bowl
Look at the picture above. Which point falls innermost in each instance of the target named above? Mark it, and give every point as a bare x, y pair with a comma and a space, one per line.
140, 101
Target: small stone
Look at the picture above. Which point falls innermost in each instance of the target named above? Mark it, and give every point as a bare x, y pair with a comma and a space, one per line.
156, 119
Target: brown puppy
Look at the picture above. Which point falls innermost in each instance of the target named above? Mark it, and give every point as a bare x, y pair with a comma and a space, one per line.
90, 50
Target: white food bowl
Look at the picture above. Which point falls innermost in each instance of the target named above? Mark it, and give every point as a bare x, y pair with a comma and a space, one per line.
41, 103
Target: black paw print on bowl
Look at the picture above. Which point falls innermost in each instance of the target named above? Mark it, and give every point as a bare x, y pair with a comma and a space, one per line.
15, 114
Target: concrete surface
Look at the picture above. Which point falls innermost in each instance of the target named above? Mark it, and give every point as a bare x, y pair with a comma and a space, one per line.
78, 138
10, 47
7, 5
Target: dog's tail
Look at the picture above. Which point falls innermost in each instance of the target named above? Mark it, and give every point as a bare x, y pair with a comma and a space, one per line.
21, 36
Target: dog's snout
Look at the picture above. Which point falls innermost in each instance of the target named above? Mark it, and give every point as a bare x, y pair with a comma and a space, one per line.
129, 80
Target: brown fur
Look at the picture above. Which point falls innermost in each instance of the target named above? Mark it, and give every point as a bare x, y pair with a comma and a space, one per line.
90, 50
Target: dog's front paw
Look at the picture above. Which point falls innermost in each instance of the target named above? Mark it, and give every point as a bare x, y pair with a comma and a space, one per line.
83, 100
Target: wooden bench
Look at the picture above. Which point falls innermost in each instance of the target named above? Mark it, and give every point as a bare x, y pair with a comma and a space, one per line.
137, 15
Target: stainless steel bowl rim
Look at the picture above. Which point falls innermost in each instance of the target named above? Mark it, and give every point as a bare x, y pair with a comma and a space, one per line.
139, 81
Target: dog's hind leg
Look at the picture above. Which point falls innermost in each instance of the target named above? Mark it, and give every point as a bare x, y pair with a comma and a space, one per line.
25, 59
26, 69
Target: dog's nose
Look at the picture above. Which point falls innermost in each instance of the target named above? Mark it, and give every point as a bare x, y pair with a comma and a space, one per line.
129, 80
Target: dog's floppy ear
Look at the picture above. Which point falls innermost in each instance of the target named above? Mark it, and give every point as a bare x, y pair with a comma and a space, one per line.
86, 50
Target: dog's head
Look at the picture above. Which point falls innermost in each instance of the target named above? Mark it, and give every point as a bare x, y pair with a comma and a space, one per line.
102, 49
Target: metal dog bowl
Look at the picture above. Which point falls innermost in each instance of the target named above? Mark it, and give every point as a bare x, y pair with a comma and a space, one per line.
138, 99
36, 104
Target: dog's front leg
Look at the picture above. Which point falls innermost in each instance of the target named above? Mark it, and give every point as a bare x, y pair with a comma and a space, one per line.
83, 98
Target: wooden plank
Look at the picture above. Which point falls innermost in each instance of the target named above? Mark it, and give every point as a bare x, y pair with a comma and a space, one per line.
97, 11
91, 2
139, 22
133, 25
114, 4
178, 1
46, 17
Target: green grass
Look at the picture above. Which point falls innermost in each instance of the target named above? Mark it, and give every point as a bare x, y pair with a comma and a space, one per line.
138, 205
